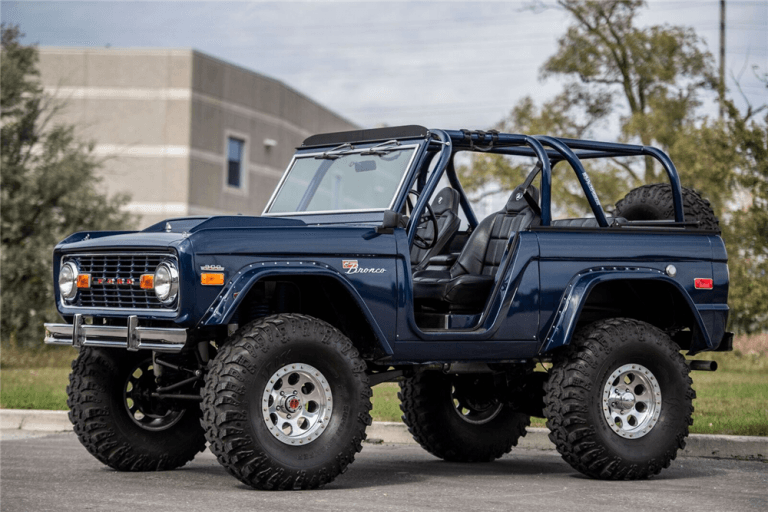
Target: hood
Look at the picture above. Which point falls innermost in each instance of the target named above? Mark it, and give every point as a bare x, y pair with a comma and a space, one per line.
168, 232
96, 240
194, 224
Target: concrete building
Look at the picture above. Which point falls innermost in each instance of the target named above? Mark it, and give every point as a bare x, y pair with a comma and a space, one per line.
182, 132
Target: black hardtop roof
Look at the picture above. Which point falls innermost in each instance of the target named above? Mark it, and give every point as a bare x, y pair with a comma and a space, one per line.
374, 135
483, 140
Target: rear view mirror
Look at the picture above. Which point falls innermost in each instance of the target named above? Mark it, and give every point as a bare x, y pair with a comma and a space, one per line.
391, 220
365, 165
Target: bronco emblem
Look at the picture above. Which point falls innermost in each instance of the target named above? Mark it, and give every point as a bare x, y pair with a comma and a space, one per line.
114, 280
352, 267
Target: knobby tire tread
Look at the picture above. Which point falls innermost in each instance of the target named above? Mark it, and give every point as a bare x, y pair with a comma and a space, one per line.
568, 390
224, 394
94, 424
659, 197
420, 403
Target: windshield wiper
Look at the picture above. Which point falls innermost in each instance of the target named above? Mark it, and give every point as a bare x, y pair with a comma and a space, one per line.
337, 152
381, 149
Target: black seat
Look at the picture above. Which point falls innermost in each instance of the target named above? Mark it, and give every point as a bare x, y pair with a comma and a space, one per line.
446, 209
465, 287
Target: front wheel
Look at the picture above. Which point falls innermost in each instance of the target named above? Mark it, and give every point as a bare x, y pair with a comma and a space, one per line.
618, 400
286, 403
118, 420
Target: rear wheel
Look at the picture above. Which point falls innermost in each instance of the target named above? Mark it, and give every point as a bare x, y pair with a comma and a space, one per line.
619, 400
458, 417
120, 423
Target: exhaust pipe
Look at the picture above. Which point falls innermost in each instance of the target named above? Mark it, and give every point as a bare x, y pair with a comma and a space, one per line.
702, 366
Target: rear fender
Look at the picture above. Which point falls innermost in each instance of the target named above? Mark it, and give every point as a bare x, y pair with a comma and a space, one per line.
226, 304
577, 292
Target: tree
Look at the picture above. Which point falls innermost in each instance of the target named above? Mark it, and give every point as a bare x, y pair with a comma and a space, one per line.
746, 233
659, 71
573, 113
49, 190
652, 76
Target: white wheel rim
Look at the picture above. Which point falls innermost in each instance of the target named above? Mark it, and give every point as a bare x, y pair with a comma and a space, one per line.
631, 401
297, 404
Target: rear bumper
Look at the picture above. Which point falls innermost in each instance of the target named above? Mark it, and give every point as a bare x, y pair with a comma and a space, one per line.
132, 337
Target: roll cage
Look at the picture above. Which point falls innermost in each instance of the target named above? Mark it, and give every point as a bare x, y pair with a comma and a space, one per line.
443, 145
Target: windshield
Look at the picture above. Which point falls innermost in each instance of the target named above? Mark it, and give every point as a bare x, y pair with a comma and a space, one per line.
343, 180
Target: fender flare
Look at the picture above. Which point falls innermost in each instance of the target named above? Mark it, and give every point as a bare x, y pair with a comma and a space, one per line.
571, 304
225, 305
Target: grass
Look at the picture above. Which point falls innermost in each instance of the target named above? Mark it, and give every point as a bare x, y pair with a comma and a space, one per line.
34, 388
732, 400
34, 379
386, 405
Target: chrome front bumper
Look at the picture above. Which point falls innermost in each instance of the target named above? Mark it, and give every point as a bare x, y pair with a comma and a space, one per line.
79, 334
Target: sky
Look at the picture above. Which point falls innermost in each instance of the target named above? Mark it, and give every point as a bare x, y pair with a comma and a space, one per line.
439, 64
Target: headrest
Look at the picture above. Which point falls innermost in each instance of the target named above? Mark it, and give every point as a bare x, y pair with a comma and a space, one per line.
517, 203
446, 199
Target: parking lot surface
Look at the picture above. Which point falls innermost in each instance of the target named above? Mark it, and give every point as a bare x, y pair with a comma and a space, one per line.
54, 472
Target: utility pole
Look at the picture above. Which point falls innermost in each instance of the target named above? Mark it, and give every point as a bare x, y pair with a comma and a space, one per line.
721, 85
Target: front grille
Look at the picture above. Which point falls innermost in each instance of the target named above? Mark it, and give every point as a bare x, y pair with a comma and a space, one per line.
122, 266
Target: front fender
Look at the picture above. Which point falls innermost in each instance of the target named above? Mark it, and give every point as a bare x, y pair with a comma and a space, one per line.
576, 293
234, 292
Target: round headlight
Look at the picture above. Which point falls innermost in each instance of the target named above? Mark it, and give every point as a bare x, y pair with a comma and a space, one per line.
166, 282
68, 280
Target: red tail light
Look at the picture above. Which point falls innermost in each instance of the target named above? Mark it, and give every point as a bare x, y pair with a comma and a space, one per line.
703, 284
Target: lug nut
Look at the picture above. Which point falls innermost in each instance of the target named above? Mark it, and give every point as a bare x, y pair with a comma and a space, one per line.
288, 416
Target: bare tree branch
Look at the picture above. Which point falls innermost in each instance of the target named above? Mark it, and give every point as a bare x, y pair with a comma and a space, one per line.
626, 167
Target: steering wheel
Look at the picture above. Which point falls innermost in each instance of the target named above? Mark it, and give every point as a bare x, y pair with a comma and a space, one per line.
426, 217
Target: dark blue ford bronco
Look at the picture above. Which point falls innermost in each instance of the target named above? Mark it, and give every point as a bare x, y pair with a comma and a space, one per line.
263, 336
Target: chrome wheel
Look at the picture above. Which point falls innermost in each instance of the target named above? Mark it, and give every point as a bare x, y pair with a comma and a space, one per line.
631, 401
475, 410
297, 404
147, 412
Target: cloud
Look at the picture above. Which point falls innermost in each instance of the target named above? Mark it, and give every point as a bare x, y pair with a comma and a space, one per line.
442, 64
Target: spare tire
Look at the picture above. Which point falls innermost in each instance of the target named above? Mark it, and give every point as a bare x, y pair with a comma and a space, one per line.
654, 202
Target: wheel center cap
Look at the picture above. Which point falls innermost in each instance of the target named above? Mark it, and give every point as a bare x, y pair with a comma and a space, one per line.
292, 404
624, 401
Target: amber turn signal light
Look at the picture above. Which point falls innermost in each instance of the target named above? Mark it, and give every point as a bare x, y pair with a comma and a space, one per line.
212, 279
147, 281
84, 281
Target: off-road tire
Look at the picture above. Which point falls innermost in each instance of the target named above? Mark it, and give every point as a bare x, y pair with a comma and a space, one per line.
101, 421
431, 418
573, 400
232, 410
654, 202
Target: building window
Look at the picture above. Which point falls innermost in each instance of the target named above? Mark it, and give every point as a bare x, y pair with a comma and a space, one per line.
235, 162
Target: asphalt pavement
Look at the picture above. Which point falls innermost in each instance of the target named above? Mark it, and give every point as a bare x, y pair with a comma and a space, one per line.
53, 472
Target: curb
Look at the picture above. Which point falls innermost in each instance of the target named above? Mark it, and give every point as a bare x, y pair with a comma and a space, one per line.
46, 421
390, 432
